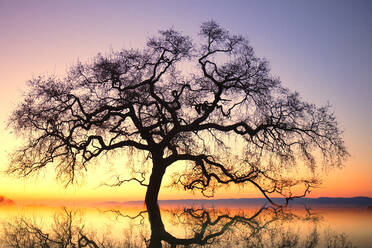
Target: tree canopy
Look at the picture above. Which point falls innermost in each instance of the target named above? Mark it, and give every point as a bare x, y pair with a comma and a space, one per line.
212, 105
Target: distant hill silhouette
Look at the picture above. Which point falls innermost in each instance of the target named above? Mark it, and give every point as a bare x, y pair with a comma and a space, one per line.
321, 201
5, 201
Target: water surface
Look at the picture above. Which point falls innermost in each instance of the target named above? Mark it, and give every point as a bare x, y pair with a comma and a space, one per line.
233, 226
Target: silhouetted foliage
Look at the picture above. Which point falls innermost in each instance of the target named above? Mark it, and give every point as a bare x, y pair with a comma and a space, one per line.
214, 106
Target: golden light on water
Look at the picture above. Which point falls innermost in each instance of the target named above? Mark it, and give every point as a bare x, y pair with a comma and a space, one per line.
130, 223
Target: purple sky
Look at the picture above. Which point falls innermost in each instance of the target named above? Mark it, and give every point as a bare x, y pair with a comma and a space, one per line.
323, 49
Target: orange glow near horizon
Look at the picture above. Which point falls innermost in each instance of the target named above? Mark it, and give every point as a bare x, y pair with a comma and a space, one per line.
340, 183
44, 189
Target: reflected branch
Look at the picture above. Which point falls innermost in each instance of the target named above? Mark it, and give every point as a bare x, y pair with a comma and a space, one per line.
265, 228
119, 213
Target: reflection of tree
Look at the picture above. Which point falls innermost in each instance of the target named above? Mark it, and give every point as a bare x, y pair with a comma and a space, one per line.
25, 233
210, 228
67, 231
207, 226
221, 228
335, 240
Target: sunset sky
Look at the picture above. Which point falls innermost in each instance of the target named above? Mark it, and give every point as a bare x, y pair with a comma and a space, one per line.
322, 49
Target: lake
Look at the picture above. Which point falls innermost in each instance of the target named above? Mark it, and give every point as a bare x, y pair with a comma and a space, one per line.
222, 226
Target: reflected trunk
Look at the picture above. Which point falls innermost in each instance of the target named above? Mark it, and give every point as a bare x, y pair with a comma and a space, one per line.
151, 200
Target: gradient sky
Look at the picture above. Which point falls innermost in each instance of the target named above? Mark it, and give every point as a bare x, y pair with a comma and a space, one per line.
323, 49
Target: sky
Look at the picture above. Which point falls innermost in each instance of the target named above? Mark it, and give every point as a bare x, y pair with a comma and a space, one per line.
322, 49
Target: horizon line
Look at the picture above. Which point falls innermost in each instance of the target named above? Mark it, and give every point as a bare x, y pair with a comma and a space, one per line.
181, 199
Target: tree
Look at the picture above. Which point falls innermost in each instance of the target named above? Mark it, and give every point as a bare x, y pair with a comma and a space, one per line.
213, 106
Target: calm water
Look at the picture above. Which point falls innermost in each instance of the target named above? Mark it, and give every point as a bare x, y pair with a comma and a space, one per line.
218, 227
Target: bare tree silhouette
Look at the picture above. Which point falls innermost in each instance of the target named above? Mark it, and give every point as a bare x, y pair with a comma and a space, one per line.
213, 106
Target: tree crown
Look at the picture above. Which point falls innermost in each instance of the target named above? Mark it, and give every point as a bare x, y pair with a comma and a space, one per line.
212, 105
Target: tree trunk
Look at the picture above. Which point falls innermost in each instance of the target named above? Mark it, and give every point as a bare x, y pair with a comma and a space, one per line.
151, 200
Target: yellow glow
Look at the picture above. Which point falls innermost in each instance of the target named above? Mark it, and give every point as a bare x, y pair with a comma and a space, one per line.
44, 189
